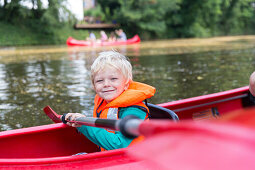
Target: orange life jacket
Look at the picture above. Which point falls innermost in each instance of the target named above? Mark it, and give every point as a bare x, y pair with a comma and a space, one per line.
133, 96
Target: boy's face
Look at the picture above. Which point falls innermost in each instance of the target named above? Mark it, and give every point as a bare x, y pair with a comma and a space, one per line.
109, 83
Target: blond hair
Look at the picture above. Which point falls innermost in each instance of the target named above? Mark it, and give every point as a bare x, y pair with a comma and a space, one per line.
112, 59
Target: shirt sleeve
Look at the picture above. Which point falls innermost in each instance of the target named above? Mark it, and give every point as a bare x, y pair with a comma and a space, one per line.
108, 140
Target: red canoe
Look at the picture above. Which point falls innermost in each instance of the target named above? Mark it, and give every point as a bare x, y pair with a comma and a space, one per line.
73, 42
169, 145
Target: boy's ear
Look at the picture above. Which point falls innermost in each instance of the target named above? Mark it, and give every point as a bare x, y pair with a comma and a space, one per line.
127, 84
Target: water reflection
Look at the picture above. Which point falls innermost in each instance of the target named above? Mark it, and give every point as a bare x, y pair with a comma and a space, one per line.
28, 87
182, 76
62, 79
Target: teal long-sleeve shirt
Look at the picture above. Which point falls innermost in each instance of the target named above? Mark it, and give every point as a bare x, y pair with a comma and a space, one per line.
107, 140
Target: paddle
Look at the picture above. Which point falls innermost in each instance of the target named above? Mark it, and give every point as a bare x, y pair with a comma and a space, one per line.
127, 126
200, 145
228, 143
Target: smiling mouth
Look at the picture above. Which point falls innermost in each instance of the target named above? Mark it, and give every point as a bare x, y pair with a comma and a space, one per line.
108, 91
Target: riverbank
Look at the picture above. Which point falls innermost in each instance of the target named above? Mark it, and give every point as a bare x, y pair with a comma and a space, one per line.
172, 47
12, 35
20, 36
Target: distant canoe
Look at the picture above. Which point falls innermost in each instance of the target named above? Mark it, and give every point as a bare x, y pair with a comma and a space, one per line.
73, 42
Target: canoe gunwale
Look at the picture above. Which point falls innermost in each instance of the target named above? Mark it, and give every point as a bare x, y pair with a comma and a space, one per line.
211, 103
62, 159
30, 130
206, 99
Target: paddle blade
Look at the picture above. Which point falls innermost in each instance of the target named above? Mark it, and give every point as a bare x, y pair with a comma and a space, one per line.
52, 114
244, 118
206, 145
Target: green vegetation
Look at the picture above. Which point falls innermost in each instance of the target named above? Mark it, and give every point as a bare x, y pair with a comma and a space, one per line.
151, 19
13, 35
20, 25
183, 18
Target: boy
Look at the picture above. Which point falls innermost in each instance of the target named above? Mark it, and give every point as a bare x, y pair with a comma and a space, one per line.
116, 97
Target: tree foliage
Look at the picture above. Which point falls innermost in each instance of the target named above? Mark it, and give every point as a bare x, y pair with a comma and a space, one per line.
183, 18
37, 17
148, 18
145, 17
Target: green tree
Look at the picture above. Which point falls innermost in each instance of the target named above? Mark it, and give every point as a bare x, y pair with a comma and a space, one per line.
108, 7
145, 17
237, 16
14, 12
194, 19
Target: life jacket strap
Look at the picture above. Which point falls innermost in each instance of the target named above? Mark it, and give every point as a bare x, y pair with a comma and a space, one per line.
99, 113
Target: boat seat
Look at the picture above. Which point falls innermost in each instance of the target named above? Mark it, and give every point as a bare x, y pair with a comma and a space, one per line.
158, 112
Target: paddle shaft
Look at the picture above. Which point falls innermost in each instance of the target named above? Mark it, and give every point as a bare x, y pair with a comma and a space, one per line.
88, 121
128, 126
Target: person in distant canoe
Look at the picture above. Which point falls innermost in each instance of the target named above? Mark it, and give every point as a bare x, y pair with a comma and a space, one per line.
112, 37
104, 36
121, 35
91, 37
117, 96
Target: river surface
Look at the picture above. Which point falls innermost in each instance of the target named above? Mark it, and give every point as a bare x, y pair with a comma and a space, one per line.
33, 77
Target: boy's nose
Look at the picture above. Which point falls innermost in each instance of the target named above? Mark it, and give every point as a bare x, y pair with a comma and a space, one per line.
106, 83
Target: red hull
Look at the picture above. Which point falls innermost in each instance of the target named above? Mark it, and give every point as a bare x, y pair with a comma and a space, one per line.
51, 146
73, 42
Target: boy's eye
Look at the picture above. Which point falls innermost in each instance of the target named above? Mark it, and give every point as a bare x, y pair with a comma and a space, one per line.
98, 81
114, 78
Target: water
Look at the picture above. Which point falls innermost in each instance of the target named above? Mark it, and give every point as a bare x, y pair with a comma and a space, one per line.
31, 78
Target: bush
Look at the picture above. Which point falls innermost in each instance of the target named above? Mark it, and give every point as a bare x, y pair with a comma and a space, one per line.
20, 36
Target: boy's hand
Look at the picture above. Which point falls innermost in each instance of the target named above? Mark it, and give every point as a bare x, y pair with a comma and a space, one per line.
73, 117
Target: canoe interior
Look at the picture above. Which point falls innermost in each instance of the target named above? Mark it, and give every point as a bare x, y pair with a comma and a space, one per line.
210, 106
44, 141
